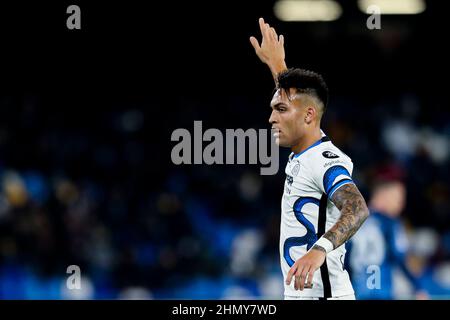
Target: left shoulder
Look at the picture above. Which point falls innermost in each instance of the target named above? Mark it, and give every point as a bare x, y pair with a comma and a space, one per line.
329, 167
327, 154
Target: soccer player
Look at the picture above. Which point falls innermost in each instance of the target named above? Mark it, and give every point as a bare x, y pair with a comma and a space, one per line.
382, 243
321, 206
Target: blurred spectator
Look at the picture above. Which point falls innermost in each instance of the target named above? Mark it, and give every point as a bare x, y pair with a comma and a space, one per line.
381, 245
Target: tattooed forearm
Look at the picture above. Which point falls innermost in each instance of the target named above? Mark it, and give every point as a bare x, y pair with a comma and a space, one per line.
354, 212
320, 248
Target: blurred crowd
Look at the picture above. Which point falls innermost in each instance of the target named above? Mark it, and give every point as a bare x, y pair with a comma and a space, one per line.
100, 192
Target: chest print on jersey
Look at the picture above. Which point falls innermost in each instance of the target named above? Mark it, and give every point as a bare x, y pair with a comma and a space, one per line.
289, 180
295, 169
329, 155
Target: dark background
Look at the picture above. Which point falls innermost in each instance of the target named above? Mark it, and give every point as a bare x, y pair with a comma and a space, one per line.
86, 118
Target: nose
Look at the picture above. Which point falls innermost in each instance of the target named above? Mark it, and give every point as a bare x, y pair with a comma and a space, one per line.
272, 119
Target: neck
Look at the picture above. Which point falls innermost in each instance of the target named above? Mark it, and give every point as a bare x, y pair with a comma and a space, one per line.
307, 141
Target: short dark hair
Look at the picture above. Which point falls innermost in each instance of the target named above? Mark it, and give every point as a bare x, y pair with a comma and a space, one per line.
304, 81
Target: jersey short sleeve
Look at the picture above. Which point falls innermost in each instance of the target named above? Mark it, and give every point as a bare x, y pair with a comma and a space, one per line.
331, 169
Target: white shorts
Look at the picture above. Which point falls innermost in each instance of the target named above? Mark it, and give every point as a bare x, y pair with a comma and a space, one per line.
346, 297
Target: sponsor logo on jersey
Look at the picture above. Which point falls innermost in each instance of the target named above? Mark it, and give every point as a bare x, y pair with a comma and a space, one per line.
289, 180
329, 155
331, 163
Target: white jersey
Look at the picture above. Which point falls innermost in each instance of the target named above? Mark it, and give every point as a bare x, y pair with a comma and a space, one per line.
312, 176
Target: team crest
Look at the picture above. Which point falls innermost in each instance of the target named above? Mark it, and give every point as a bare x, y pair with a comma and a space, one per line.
295, 169
329, 155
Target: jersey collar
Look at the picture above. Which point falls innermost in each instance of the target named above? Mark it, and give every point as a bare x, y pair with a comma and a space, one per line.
323, 139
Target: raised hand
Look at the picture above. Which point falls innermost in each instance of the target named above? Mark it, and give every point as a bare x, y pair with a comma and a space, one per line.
271, 50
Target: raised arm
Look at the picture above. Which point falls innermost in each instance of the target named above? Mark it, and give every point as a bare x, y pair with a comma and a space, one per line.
271, 50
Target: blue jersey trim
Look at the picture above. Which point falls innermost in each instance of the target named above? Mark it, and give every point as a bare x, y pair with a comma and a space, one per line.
323, 139
331, 174
337, 185
309, 238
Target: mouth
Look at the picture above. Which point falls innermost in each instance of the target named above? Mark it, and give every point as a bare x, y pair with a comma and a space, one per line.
277, 132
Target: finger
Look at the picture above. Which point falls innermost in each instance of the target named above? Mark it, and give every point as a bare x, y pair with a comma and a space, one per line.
255, 43
281, 40
267, 30
290, 274
298, 278
303, 277
310, 279
274, 34
262, 26
261, 23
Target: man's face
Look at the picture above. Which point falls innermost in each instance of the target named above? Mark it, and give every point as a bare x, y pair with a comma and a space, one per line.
390, 198
395, 196
287, 118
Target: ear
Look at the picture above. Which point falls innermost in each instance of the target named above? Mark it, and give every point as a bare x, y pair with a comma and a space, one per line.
311, 114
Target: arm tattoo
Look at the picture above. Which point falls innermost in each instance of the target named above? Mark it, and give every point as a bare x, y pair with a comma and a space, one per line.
354, 212
320, 248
